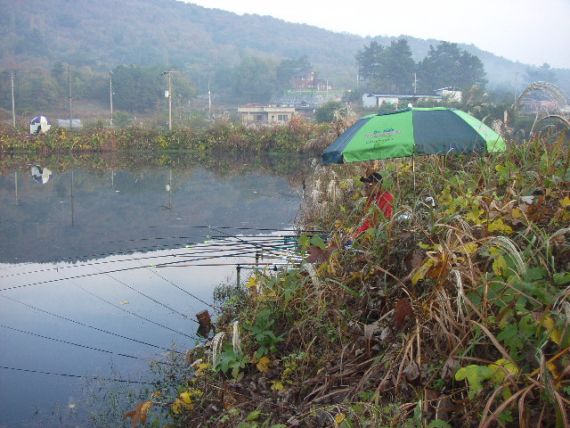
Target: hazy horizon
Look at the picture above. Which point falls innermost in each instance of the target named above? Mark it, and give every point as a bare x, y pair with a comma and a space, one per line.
525, 31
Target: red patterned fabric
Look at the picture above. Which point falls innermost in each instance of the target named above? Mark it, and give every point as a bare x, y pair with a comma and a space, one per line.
383, 201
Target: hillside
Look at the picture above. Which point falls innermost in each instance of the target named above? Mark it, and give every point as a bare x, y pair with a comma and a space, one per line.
106, 33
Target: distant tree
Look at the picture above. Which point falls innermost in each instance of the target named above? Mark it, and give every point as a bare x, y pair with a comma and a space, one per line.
543, 73
139, 89
253, 81
387, 69
34, 91
290, 68
399, 67
325, 113
371, 65
183, 89
447, 65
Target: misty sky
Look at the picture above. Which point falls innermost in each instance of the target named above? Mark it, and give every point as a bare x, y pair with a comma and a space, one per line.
528, 31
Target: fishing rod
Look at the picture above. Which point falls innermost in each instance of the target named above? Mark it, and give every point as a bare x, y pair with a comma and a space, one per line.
137, 315
87, 275
131, 250
269, 229
262, 247
242, 265
101, 330
200, 250
97, 378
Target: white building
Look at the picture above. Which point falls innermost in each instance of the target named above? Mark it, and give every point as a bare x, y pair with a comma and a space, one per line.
265, 115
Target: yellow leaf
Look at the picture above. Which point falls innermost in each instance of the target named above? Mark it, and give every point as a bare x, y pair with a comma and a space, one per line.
176, 407
277, 386
501, 368
251, 282
185, 397
555, 334
516, 213
201, 368
263, 364
499, 266
422, 271
565, 202
339, 418
179, 405
499, 225
469, 248
474, 216
552, 369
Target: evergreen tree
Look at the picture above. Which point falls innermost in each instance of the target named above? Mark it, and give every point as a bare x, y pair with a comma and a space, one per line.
399, 67
447, 65
371, 65
387, 69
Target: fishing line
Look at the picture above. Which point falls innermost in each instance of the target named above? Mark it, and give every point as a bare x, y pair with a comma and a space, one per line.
105, 379
87, 275
137, 315
184, 291
128, 251
79, 345
152, 299
241, 240
199, 250
131, 250
35, 308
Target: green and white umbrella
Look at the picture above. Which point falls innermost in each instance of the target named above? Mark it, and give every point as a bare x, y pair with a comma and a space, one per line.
412, 132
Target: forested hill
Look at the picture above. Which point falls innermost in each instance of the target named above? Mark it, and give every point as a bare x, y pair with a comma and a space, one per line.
105, 33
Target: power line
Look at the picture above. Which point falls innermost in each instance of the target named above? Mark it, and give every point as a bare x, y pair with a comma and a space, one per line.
105, 379
35, 308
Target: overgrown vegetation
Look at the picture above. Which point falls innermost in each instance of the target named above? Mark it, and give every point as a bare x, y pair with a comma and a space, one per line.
297, 136
449, 315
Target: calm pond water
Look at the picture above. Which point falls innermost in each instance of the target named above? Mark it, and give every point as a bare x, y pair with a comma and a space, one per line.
82, 291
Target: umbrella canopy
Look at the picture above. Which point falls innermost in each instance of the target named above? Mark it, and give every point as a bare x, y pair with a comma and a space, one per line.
39, 125
410, 132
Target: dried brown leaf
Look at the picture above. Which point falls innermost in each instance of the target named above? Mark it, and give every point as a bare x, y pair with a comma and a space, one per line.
402, 312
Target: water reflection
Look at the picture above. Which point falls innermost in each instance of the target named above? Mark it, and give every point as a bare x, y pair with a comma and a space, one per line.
80, 213
80, 258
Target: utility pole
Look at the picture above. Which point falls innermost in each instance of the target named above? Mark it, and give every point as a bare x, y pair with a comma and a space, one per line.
169, 95
13, 101
111, 96
415, 83
209, 101
70, 99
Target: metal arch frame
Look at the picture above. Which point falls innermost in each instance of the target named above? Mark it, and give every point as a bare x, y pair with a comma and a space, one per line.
557, 117
547, 87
